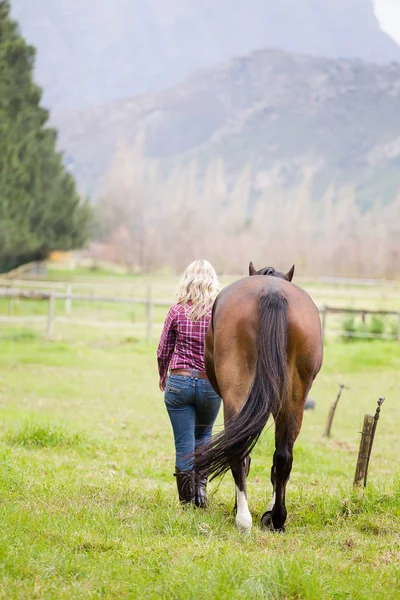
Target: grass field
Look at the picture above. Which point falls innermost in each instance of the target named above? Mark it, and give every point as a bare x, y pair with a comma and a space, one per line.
88, 501
88, 498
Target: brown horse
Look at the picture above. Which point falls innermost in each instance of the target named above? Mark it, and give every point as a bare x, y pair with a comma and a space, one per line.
263, 352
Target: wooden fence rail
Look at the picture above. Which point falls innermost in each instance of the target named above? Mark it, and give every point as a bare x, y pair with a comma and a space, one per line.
367, 292
150, 302
325, 310
51, 296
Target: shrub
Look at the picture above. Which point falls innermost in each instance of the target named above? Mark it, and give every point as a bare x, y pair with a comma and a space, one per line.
375, 325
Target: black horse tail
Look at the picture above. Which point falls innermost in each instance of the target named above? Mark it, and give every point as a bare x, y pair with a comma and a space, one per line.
267, 393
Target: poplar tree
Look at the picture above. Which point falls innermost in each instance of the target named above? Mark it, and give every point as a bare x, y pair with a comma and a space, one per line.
40, 209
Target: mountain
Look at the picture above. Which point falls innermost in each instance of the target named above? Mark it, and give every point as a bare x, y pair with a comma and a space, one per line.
94, 51
271, 110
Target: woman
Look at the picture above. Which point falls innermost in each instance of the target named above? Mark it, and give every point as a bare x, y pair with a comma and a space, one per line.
191, 402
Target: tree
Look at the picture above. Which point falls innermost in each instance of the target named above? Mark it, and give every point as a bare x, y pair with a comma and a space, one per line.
40, 209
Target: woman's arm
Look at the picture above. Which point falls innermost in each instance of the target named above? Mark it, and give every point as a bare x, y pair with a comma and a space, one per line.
166, 346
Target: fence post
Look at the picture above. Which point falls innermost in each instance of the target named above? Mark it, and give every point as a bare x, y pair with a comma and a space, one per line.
11, 302
68, 300
376, 419
50, 315
367, 439
327, 432
362, 460
149, 314
324, 317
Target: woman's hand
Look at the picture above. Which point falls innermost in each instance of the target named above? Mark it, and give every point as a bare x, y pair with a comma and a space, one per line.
161, 385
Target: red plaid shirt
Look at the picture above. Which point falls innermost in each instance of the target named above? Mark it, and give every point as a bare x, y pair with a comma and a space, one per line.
182, 342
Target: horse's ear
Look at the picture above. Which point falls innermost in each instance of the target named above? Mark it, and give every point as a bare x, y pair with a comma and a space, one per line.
252, 270
289, 274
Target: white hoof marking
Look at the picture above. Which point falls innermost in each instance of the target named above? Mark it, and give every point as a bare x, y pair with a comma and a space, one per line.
243, 516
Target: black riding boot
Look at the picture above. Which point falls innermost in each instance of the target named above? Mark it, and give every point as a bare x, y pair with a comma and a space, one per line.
185, 483
200, 490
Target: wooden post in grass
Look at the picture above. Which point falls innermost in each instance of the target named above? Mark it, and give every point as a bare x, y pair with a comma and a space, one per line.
328, 427
364, 453
149, 314
68, 300
376, 419
50, 315
10, 303
362, 460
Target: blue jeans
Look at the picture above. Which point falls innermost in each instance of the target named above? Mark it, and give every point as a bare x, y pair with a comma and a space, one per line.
192, 406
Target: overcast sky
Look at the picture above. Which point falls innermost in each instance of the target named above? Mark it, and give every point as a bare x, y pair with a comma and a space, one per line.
388, 13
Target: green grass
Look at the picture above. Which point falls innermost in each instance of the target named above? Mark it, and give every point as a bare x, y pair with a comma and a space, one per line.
43, 435
88, 502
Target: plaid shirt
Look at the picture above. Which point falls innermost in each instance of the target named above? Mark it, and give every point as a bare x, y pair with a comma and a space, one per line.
182, 342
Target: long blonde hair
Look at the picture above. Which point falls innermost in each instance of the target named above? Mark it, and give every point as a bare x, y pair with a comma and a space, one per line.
200, 286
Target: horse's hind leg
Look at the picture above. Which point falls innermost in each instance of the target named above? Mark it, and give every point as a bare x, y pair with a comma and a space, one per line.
240, 470
285, 437
287, 428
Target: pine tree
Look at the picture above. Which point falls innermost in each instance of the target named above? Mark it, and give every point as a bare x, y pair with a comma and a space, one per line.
39, 207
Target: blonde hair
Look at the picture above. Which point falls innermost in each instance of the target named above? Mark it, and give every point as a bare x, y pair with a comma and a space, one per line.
200, 286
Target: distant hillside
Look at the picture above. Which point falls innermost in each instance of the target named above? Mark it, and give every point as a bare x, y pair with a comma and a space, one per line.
272, 110
93, 51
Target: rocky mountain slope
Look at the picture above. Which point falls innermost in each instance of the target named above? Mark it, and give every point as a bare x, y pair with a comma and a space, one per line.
94, 51
270, 110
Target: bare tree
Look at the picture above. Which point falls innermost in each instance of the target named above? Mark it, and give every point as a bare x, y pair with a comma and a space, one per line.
156, 219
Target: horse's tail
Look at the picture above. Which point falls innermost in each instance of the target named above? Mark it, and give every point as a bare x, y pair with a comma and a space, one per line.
266, 395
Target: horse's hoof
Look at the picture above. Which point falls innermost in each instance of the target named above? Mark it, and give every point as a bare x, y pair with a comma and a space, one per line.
244, 522
266, 522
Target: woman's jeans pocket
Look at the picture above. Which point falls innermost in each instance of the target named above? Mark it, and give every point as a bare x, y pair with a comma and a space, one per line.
177, 390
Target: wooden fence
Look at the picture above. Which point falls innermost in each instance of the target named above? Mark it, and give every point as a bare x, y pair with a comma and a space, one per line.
336, 287
149, 302
52, 296
326, 310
